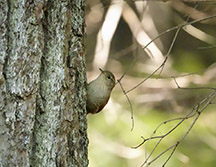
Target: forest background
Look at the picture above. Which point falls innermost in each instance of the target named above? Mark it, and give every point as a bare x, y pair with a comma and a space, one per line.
163, 56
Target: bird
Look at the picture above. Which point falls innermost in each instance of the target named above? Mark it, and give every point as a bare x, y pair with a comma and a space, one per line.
99, 91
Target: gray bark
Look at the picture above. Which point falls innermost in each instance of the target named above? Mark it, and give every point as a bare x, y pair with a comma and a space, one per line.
42, 84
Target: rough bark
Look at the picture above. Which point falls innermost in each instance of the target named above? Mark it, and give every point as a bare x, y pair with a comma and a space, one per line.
42, 84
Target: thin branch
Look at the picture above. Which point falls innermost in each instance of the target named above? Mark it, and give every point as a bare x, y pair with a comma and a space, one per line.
152, 152
179, 26
128, 68
171, 154
161, 137
194, 113
131, 108
189, 115
207, 100
158, 156
149, 76
174, 39
162, 123
208, 88
161, 34
207, 47
171, 46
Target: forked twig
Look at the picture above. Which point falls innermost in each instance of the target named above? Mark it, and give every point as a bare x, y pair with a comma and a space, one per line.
196, 111
178, 27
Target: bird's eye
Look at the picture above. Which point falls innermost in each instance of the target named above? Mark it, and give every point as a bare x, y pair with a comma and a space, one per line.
108, 77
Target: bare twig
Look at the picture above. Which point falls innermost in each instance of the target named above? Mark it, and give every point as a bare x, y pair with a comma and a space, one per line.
189, 115
207, 47
174, 28
196, 111
131, 108
170, 48
149, 76
174, 39
176, 145
122, 76
180, 26
193, 114
208, 88
165, 59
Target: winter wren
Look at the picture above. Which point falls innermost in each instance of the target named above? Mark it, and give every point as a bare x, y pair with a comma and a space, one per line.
98, 91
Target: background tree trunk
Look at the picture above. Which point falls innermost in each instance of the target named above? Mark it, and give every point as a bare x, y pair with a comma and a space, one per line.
42, 84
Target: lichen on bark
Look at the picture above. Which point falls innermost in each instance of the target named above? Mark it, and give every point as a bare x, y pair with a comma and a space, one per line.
42, 84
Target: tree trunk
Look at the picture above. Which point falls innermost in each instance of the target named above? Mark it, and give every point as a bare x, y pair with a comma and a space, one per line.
42, 84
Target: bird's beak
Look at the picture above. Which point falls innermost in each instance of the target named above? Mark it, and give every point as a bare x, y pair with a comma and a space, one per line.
101, 70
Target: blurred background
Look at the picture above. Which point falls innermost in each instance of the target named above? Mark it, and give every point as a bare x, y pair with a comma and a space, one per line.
117, 34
